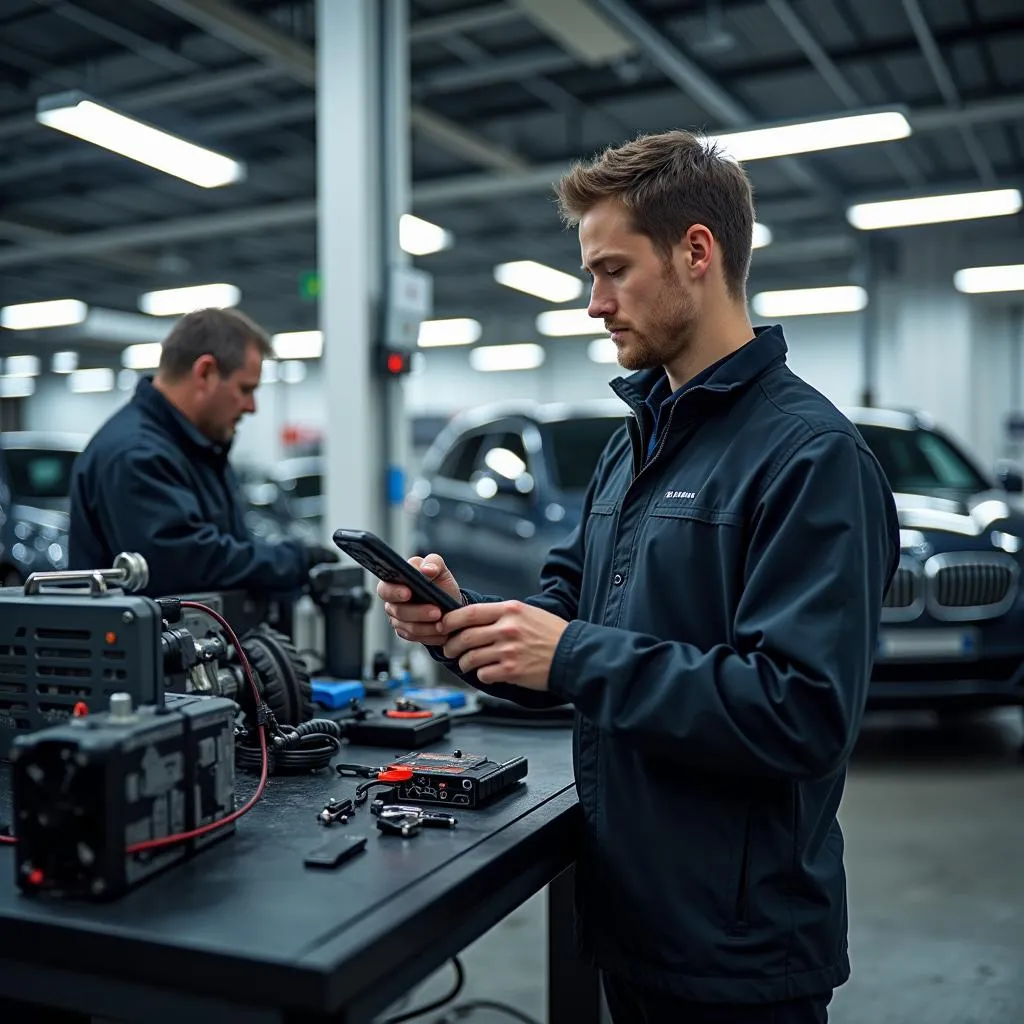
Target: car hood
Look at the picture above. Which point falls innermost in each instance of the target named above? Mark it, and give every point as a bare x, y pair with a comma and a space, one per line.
983, 520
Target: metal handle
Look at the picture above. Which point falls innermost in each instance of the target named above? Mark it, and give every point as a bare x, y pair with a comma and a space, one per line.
130, 572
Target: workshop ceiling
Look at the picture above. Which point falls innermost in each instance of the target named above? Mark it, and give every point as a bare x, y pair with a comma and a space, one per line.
504, 94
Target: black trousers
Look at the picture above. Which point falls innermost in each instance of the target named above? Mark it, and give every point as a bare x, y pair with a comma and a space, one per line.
631, 1004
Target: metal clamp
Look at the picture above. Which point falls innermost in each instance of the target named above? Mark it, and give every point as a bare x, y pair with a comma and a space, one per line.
130, 573
405, 821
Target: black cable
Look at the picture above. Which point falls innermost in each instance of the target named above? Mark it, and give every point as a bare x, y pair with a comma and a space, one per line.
308, 747
460, 980
465, 1009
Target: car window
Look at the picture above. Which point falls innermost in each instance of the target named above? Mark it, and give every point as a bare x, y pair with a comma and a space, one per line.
460, 461
309, 486
37, 473
919, 460
575, 445
504, 465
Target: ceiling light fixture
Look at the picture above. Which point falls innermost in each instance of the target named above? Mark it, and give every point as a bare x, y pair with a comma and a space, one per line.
31, 316
76, 114
100, 378
810, 301
419, 237
64, 362
21, 366
144, 356
177, 301
298, 345
899, 213
491, 358
538, 279
442, 333
602, 350
565, 323
762, 236
976, 280
814, 136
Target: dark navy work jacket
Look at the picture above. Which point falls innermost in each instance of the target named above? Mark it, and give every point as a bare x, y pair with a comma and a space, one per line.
723, 599
150, 482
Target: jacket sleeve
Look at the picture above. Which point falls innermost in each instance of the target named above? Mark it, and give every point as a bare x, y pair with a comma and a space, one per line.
156, 513
786, 697
560, 594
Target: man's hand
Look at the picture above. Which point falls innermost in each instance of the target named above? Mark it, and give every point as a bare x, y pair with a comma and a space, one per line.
419, 623
507, 642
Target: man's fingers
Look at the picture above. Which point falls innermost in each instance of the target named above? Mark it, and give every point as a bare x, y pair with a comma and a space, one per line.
404, 612
394, 593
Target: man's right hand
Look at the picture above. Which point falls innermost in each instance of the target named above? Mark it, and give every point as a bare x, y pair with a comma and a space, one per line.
418, 622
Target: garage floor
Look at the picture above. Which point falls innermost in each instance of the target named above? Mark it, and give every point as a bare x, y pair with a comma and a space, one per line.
934, 822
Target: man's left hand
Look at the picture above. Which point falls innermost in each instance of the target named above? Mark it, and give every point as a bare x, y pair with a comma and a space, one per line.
504, 642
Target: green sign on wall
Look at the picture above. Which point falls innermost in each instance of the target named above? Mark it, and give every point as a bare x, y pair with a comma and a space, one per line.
309, 285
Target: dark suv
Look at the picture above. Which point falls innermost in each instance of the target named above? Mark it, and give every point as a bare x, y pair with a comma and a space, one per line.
501, 484
35, 482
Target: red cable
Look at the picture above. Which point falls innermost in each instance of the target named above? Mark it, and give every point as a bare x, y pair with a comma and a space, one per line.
150, 844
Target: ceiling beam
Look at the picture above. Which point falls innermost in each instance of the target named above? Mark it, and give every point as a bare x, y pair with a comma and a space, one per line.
473, 20
837, 81
700, 86
947, 87
254, 36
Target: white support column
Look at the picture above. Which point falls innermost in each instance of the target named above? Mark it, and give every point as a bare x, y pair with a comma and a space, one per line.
350, 264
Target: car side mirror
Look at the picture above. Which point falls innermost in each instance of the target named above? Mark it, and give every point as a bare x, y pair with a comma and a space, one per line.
1010, 476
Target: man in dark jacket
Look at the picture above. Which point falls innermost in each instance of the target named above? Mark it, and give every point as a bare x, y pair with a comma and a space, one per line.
155, 478
713, 618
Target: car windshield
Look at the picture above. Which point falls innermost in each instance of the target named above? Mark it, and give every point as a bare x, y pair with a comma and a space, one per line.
575, 447
39, 474
917, 461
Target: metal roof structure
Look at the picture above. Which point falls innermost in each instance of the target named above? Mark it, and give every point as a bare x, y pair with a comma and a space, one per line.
505, 94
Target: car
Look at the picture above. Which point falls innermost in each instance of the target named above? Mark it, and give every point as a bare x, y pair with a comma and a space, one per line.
35, 488
501, 484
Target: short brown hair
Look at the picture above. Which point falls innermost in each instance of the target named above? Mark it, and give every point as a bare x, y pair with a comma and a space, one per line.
669, 182
224, 334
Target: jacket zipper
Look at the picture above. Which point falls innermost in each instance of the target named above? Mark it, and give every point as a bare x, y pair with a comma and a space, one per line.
742, 911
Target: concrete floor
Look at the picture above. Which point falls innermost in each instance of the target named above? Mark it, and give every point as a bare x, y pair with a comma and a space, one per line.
934, 823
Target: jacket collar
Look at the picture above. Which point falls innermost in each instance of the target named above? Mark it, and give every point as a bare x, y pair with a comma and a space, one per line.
766, 349
157, 407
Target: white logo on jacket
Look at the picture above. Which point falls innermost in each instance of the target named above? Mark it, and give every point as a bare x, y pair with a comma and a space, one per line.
680, 495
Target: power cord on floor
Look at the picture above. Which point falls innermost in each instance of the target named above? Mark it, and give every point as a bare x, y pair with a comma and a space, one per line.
460, 980
469, 1008
460, 1010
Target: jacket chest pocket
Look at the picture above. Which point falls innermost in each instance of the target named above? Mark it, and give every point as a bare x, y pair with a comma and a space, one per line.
694, 555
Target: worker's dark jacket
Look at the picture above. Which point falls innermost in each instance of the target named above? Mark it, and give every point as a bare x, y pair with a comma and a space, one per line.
150, 482
724, 602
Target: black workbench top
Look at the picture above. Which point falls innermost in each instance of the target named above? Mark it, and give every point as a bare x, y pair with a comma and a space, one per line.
249, 914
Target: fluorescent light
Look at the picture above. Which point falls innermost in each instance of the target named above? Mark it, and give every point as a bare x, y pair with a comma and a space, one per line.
293, 371
563, 323
762, 236
31, 316
809, 301
64, 362
298, 345
177, 301
896, 213
21, 366
268, 372
145, 356
127, 379
540, 280
814, 136
440, 333
489, 358
973, 280
419, 237
100, 378
76, 114
603, 350
17, 387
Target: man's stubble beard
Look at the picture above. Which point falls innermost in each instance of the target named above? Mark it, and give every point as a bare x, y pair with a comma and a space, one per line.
672, 325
